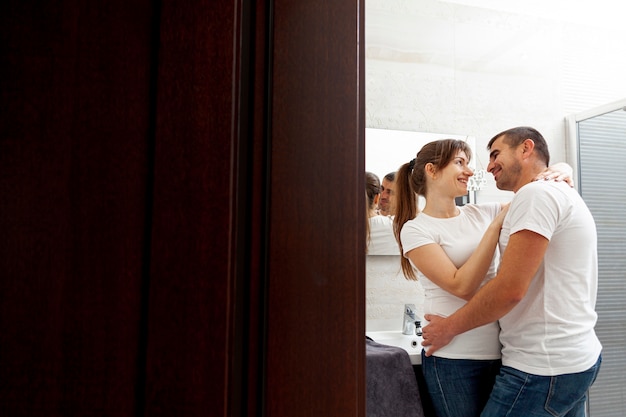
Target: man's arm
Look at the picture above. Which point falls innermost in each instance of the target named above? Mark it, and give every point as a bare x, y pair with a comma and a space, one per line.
520, 261
463, 282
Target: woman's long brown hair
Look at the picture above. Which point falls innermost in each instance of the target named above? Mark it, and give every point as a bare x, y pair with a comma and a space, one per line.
372, 189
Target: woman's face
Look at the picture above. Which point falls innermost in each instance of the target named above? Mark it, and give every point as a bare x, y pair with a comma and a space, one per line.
454, 177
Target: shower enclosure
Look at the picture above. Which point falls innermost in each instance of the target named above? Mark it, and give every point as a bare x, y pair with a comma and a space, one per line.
597, 151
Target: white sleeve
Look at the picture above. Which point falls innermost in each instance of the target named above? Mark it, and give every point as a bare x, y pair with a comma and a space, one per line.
413, 235
536, 207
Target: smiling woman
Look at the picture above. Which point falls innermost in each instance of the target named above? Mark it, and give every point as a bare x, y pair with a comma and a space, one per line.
451, 251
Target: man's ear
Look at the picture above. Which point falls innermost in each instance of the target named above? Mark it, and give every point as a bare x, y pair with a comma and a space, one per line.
527, 147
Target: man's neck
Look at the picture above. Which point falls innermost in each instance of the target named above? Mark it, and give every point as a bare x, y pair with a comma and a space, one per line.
528, 177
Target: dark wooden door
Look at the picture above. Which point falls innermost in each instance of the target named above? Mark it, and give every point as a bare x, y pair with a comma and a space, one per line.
182, 208
315, 298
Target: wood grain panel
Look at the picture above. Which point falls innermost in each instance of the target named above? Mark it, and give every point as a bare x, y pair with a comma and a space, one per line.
315, 357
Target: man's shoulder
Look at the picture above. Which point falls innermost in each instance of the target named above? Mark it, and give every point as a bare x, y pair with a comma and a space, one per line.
542, 195
542, 187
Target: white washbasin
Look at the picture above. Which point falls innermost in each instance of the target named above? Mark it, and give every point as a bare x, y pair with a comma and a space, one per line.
411, 343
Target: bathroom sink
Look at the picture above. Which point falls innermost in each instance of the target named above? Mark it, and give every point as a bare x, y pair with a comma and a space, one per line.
411, 343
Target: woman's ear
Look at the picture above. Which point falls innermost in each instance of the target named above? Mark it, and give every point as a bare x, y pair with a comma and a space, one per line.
376, 199
431, 171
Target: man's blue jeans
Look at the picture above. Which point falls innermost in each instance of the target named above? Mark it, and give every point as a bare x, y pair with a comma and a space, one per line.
518, 394
459, 387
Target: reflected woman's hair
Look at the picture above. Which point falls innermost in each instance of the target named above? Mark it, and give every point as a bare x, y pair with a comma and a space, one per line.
372, 189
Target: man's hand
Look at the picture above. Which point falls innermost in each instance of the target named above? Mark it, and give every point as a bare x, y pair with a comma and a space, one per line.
436, 334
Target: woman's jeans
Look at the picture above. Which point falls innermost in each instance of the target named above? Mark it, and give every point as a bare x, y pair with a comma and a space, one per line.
459, 387
518, 394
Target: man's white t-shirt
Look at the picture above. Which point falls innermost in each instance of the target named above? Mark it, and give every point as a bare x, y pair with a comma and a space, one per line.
458, 236
551, 331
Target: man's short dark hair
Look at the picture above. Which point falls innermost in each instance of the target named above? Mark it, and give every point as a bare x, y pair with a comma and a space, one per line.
515, 136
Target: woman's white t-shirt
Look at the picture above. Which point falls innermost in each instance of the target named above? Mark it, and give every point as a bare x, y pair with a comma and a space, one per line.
458, 236
382, 240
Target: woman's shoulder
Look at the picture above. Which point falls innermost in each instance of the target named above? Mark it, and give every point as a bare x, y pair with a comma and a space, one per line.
482, 206
381, 220
421, 224
488, 209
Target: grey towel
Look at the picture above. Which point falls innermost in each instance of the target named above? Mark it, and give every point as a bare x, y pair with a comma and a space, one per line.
391, 384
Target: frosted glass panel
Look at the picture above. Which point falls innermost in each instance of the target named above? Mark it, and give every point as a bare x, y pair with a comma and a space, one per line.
602, 152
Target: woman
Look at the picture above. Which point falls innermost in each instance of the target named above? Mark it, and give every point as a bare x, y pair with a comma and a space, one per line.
453, 249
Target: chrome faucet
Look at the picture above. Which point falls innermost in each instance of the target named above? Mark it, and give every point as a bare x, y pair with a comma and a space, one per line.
408, 324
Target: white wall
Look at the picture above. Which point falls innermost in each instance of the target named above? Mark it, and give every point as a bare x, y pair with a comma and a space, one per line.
477, 67
386, 293
445, 67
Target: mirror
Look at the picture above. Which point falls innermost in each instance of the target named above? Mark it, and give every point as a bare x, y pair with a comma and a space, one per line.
386, 150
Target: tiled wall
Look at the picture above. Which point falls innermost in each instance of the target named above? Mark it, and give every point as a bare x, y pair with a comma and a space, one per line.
386, 293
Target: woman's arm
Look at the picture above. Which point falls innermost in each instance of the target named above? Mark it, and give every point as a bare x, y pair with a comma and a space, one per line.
463, 282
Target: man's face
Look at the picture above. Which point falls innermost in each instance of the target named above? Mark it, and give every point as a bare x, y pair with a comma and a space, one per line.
504, 165
386, 203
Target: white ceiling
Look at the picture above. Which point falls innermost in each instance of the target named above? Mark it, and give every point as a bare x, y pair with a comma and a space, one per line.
494, 36
598, 13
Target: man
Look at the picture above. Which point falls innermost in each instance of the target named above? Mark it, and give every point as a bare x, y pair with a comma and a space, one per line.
386, 204
544, 293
